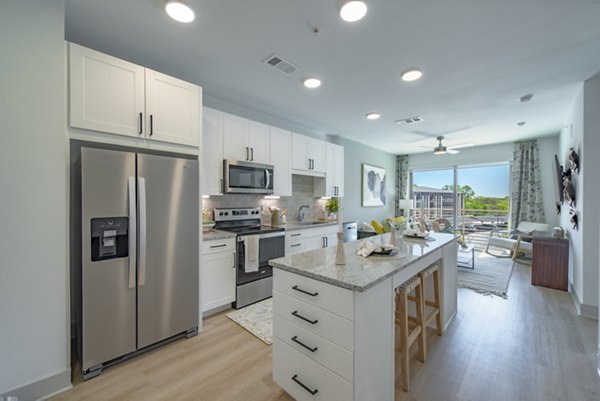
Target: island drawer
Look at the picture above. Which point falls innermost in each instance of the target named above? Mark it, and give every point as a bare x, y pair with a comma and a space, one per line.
319, 321
317, 348
317, 293
305, 379
214, 246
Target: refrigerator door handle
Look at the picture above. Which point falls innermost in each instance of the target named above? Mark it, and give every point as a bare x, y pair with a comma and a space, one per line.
132, 231
142, 232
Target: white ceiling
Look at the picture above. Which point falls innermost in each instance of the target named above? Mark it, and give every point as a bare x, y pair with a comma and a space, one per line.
478, 58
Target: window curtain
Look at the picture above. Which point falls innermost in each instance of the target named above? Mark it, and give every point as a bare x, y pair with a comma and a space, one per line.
526, 185
401, 180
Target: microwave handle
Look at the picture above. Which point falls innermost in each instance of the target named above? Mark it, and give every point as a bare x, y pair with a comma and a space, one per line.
268, 178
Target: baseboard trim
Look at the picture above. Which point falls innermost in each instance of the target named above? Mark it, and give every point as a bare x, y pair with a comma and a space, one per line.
586, 310
590, 311
449, 322
44, 388
574, 298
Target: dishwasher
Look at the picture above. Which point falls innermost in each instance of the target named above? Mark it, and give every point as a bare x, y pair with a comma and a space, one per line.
350, 231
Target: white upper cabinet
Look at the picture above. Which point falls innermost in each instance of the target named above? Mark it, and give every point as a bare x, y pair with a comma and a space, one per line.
235, 133
106, 94
172, 109
212, 152
308, 155
112, 95
333, 183
259, 141
281, 150
246, 140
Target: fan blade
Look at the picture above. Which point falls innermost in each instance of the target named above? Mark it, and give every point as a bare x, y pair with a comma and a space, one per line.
461, 145
452, 151
426, 147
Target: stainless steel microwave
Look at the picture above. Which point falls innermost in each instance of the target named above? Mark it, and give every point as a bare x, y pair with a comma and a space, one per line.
247, 177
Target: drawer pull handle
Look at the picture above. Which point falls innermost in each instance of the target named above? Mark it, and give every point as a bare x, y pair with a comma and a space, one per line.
295, 313
295, 339
295, 245
312, 294
304, 386
218, 246
295, 235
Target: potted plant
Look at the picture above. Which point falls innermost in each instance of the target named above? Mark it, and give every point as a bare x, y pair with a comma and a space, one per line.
332, 207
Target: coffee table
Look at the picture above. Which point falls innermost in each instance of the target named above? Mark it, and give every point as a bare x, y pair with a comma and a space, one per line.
464, 259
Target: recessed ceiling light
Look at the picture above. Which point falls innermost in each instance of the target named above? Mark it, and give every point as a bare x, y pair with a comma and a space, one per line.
312, 83
521, 123
526, 98
373, 116
352, 10
179, 11
412, 75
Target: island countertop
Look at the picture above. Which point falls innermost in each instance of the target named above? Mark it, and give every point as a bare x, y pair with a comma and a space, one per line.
359, 273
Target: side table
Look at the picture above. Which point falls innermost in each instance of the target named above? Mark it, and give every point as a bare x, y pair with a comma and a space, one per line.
464, 259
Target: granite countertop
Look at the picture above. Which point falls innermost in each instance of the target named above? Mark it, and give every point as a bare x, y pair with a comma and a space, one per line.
214, 235
292, 226
359, 273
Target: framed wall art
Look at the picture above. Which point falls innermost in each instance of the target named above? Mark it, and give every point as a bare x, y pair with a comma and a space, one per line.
373, 186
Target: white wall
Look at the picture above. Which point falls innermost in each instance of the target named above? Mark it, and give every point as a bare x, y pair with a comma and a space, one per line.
582, 134
355, 154
33, 182
500, 153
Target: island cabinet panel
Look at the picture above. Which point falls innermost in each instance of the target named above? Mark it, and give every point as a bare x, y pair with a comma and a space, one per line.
305, 379
316, 293
321, 322
327, 353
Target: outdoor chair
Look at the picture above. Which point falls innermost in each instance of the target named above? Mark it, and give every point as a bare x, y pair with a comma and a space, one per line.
519, 243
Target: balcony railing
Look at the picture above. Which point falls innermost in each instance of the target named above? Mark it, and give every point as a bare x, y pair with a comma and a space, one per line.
469, 220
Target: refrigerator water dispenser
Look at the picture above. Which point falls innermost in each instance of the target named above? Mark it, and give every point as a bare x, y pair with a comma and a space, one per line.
109, 238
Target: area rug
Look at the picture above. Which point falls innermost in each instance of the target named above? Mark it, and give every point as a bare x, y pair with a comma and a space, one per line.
257, 319
491, 275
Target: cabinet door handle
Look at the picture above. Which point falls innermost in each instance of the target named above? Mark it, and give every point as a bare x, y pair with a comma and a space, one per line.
312, 294
234, 261
247, 153
326, 242
251, 154
295, 339
304, 386
141, 126
151, 124
218, 246
295, 235
295, 245
296, 314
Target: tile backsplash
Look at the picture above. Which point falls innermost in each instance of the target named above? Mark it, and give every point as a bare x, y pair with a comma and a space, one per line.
302, 194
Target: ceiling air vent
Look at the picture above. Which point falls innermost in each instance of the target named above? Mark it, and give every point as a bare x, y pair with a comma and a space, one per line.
410, 120
284, 66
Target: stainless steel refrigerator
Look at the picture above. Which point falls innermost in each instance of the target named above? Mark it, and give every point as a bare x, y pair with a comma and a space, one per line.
140, 253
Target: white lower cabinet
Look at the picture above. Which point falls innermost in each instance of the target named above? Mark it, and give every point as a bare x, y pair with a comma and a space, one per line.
313, 344
218, 273
304, 378
309, 239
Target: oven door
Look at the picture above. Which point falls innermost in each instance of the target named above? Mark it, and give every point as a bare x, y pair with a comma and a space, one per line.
247, 178
270, 246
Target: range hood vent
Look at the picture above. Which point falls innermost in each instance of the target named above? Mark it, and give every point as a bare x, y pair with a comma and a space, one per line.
279, 63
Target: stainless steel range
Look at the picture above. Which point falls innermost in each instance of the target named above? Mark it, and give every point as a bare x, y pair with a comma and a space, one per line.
256, 244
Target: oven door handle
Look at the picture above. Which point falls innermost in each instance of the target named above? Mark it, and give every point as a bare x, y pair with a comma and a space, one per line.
271, 235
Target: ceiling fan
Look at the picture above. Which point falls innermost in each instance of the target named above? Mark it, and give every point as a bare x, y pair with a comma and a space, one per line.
441, 149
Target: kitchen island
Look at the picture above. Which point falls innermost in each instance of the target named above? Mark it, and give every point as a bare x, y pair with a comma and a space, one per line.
333, 325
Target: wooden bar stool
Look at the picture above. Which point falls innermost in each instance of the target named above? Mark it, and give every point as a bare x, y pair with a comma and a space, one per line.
435, 304
411, 328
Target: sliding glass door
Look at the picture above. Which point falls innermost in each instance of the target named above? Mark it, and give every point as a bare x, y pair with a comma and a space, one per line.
473, 199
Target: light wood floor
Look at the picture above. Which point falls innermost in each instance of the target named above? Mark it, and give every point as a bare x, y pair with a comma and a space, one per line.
530, 347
